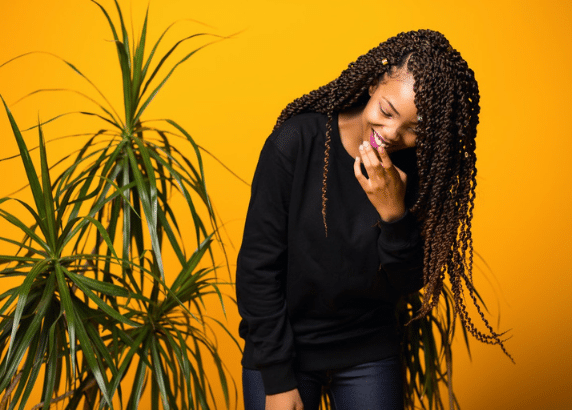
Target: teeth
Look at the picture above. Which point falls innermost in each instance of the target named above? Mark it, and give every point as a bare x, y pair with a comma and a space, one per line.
378, 140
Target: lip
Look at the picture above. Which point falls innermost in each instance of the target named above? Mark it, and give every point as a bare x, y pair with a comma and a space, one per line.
385, 142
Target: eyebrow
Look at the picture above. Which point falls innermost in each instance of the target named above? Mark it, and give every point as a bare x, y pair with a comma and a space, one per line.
397, 112
391, 105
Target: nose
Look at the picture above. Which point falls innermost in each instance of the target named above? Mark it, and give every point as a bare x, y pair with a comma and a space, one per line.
390, 134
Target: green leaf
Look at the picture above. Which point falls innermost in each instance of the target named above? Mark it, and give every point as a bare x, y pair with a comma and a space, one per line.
124, 62
134, 347
152, 182
126, 210
102, 287
111, 120
51, 368
101, 230
19, 345
31, 251
123, 31
31, 370
27, 231
28, 164
139, 379
23, 291
148, 207
200, 161
163, 59
159, 378
166, 78
47, 191
138, 61
75, 325
78, 280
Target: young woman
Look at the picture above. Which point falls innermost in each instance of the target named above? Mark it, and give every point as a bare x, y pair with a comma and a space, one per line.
364, 192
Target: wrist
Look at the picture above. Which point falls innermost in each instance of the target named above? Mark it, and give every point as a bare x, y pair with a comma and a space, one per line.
392, 214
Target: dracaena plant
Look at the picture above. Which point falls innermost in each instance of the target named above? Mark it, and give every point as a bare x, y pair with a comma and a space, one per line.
93, 303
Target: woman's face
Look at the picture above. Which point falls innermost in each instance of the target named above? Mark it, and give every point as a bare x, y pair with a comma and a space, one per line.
390, 116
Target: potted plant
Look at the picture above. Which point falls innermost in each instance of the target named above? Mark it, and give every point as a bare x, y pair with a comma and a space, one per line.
94, 304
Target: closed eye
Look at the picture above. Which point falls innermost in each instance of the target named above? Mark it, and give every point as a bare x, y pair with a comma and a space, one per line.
388, 115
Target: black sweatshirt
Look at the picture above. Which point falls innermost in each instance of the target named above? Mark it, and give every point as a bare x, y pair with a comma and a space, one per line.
311, 302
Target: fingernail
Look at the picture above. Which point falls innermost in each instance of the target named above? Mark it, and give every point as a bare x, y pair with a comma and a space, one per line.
361, 147
366, 144
357, 159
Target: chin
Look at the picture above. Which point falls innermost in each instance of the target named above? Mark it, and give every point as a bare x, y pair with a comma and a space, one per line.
395, 148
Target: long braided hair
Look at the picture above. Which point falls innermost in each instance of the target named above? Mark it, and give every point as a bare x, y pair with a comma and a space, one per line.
447, 99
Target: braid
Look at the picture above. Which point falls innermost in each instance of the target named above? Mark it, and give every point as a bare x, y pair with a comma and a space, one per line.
447, 98
326, 164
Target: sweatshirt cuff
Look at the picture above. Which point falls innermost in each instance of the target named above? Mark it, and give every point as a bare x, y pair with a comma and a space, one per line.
399, 234
278, 377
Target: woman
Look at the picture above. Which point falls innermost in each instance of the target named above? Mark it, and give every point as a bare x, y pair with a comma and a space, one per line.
364, 192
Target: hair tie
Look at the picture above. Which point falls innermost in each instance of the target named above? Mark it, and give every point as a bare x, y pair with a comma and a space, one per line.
384, 61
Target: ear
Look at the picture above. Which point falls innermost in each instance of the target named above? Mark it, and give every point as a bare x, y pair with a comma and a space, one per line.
373, 87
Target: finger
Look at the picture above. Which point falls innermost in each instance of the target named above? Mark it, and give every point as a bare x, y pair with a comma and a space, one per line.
402, 175
364, 157
384, 156
369, 158
372, 164
357, 171
371, 154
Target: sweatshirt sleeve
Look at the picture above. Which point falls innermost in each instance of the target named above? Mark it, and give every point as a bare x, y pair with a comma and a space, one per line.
261, 271
401, 253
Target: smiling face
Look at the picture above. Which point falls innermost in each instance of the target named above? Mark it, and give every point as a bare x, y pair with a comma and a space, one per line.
390, 116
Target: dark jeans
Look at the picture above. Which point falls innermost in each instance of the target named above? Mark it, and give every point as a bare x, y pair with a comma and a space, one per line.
376, 386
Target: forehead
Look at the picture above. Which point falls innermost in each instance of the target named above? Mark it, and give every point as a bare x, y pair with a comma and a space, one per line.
397, 91
401, 75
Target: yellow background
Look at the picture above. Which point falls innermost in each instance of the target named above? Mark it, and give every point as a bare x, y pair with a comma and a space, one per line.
229, 95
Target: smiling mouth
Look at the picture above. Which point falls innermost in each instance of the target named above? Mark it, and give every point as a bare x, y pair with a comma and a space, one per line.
377, 140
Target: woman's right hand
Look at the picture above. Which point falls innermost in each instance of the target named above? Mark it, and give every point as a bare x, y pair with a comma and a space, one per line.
289, 400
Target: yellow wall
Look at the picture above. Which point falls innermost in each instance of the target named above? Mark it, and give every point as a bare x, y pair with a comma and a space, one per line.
230, 94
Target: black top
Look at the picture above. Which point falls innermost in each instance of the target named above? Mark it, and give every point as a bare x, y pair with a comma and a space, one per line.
308, 301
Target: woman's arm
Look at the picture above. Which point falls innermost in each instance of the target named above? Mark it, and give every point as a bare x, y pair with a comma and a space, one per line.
400, 246
261, 271
400, 250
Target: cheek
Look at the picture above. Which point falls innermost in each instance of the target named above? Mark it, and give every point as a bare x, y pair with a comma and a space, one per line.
409, 140
370, 108
370, 114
